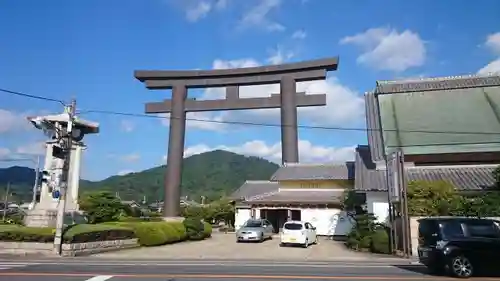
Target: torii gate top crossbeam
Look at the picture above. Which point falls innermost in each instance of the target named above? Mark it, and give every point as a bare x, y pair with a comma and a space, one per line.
249, 76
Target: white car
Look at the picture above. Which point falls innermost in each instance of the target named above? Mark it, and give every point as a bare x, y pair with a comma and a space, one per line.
298, 233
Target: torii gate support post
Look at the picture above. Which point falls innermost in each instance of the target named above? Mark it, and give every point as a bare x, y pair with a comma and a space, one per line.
175, 154
289, 134
179, 81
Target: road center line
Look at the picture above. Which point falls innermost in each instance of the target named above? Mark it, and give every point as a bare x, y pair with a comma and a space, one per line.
100, 278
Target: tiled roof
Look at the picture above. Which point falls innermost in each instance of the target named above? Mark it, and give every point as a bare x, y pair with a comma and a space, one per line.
298, 171
437, 84
254, 188
373, 127
366, 178
462, 177
318, 196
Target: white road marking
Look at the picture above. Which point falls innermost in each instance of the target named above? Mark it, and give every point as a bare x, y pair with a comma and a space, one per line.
10, 265
100, 278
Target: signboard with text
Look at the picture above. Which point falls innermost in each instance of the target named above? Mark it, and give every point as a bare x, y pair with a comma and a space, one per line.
395, 175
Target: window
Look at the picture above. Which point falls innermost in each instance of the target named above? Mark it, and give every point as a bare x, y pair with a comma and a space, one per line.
293, 226
253, 223
483, 229
452, 229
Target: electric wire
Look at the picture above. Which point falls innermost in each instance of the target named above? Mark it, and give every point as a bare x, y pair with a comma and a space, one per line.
228, 122
32, 96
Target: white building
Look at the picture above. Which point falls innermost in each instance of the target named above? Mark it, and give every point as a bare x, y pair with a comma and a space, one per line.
308, 192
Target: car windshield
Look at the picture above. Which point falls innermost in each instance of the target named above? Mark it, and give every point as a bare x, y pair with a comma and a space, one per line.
253, 223
293, 226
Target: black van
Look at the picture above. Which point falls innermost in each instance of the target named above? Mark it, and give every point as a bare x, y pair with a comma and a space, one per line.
459, 246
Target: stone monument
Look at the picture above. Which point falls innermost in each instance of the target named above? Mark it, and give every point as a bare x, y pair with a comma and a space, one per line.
44, 212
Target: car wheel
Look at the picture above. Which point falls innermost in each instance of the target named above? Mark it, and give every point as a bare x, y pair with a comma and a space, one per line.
306, 244
461, 267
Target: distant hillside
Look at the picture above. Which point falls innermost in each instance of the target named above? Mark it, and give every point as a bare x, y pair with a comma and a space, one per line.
209, 174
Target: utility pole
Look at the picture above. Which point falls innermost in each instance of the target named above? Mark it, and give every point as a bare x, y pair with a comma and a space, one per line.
66, 142
6, 201
37, 179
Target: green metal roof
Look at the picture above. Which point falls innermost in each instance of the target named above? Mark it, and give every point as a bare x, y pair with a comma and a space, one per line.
412, 120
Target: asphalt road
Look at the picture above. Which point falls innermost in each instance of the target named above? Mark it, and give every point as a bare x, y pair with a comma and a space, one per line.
76, 269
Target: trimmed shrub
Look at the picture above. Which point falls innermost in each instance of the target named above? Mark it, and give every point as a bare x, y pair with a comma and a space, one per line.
380, 242
207, 230
83, 233
194, 228
181, 230
156, 233
26, 234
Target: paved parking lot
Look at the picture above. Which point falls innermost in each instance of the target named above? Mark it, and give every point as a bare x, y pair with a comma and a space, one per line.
224, 246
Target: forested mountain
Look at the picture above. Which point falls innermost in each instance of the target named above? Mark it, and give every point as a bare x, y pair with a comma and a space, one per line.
211, 174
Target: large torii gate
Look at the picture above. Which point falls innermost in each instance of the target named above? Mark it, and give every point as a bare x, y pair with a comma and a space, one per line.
179, 81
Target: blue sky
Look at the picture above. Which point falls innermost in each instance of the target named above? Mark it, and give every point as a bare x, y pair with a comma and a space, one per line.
89, 50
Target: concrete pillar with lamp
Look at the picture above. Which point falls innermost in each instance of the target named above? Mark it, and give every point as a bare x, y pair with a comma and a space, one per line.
44, 212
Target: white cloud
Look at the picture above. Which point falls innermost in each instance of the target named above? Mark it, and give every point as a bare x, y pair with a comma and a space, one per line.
12, 121
221, 4
127, 126
492, 67
493, 43
37, 148
299, 34
258, 16
198, 11
308, 152
279, 56
387, 49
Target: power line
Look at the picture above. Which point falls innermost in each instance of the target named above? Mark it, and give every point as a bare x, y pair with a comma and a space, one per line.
139, 115
31, 96
298, 126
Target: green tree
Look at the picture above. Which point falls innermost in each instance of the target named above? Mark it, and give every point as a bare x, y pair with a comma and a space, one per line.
101, 206
433, 198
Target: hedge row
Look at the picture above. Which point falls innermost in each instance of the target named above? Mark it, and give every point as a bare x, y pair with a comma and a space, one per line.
77, 234
148, 233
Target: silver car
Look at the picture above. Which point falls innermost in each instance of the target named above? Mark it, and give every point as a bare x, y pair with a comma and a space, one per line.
255, 230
